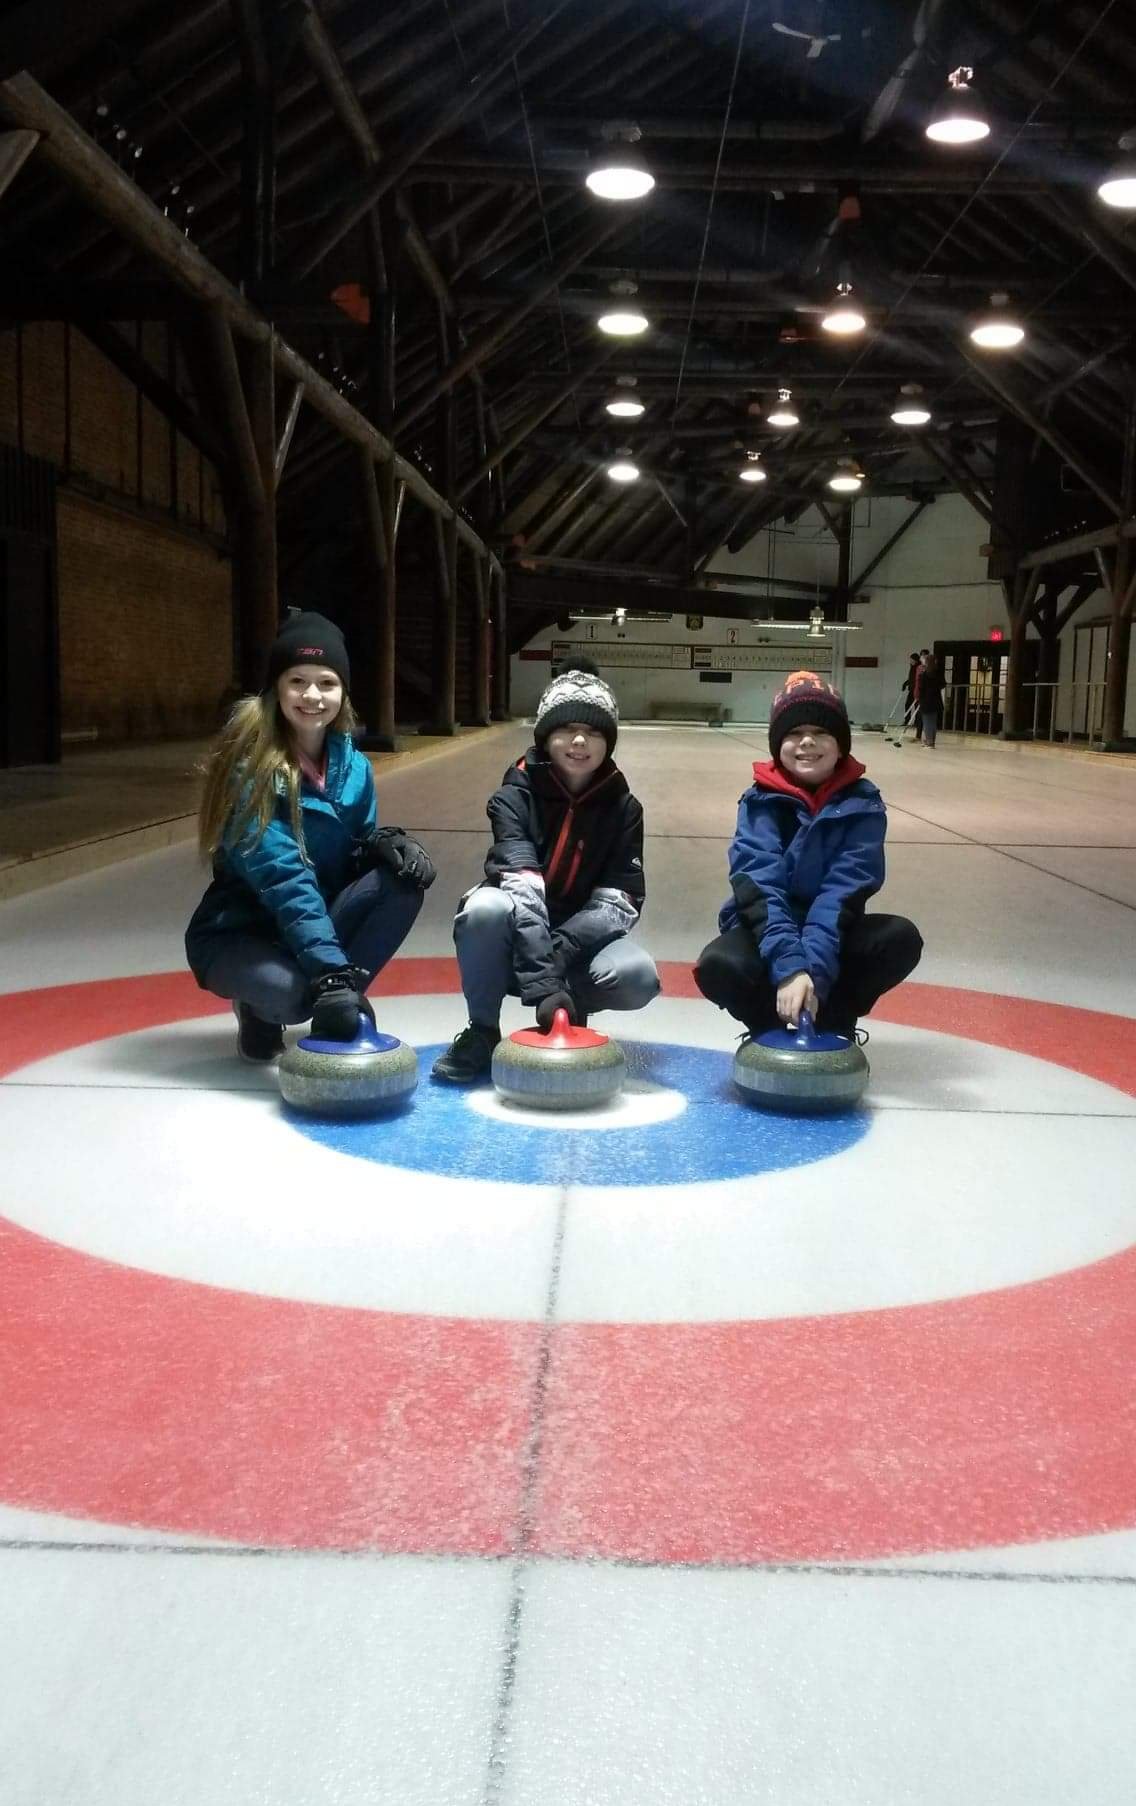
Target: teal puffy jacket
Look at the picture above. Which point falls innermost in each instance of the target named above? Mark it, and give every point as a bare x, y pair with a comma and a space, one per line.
264, 887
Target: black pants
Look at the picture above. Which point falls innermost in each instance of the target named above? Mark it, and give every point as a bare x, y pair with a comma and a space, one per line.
877, 952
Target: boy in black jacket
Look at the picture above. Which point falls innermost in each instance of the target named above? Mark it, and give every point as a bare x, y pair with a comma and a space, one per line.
564, 880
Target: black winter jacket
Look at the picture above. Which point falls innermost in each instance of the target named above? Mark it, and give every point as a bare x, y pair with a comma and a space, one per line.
588, 849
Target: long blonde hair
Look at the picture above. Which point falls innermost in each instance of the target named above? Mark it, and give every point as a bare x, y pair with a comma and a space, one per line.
251, 761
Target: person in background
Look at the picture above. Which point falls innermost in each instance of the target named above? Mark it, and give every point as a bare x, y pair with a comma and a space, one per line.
930, 699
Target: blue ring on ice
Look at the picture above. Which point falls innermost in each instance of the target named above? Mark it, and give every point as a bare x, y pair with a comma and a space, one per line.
717, 1135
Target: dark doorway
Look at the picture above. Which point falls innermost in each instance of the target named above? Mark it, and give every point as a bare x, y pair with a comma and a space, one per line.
29, 632
974, 679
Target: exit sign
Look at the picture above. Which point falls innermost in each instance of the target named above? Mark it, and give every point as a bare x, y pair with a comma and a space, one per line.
996, 633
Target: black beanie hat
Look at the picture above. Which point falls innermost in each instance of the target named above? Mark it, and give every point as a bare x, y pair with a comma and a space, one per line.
308, 639
806, 700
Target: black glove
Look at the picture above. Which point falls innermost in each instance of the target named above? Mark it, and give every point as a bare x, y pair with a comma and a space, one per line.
338, 1003
394, 848
548, 1006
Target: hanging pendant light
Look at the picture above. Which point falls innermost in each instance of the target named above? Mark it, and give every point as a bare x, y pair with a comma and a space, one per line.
784, 414
1117, 188
816, 623
623, 404
623, 469
847, 478
619, 171
910, 409
997, 329
623, 320
844, 317
959, 118
753, 470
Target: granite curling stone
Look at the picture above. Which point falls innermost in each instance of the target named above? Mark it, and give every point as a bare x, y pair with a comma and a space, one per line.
375, 1072
801, 1071
566, 1069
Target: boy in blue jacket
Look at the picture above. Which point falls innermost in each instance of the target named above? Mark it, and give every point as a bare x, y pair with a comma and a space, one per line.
807, 854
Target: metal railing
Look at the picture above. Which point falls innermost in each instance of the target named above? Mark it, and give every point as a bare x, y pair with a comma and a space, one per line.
983, 712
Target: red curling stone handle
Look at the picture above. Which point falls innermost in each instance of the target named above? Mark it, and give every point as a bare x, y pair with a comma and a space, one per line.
561, 1036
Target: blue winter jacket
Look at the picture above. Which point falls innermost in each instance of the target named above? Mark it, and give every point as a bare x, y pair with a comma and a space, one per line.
802, 865
264, 886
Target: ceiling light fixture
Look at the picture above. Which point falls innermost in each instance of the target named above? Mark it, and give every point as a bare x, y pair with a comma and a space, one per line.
997, 329
623, 470
847, 478
1117, 187
959, 118
619, 171
910, 409
623, 320
784, 414
844, 317
622, 403
753, 470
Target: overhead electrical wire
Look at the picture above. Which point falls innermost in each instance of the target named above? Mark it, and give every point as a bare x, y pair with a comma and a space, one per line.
710, 206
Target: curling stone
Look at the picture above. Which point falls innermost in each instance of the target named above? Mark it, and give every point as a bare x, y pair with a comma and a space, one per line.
567, 1069
348, 1078
803, 1071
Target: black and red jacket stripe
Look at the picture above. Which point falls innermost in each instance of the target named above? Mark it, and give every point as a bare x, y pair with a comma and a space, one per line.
578, 843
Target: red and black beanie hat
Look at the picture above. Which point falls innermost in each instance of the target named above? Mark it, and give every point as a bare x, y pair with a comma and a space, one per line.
806, 700
308, 639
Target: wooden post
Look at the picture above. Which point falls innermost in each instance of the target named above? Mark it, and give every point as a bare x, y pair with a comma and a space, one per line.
481, 711
1021, 593
500, 646
258, 597
444, 661
1123, 591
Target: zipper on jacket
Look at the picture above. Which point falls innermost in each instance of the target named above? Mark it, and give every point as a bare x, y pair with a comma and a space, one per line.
577, 855
558, 849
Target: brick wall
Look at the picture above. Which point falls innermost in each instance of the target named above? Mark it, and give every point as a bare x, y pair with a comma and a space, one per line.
144, 625
144, 592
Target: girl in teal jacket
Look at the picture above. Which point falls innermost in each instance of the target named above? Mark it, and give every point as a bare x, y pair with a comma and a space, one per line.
310, 898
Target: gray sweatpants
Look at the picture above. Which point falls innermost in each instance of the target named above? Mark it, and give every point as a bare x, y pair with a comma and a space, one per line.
372, 917
621, 976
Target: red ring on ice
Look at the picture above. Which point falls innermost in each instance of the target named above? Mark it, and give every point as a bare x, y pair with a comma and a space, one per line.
129, 1397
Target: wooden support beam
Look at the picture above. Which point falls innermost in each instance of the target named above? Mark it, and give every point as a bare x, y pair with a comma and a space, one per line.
904, 527
1006, 392
255, 526
1078, 220
501, 670
517, 435
234, 410
485, 343
98, 180
1080, 544
482, 703
15, 149
1021, 599
376, 616
978, 500
1123, 589
288, 427
473, 93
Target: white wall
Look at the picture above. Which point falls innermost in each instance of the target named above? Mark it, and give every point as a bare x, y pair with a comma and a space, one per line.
931, 586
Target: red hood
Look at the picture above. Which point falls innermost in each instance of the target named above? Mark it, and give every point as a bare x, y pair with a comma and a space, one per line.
770, 776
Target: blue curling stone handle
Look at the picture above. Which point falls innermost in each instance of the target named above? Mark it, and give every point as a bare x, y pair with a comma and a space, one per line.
805, 1038
367, 1041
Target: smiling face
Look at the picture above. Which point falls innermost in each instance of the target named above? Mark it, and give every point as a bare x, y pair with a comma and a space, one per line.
310, 697
576, 752
809, 755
